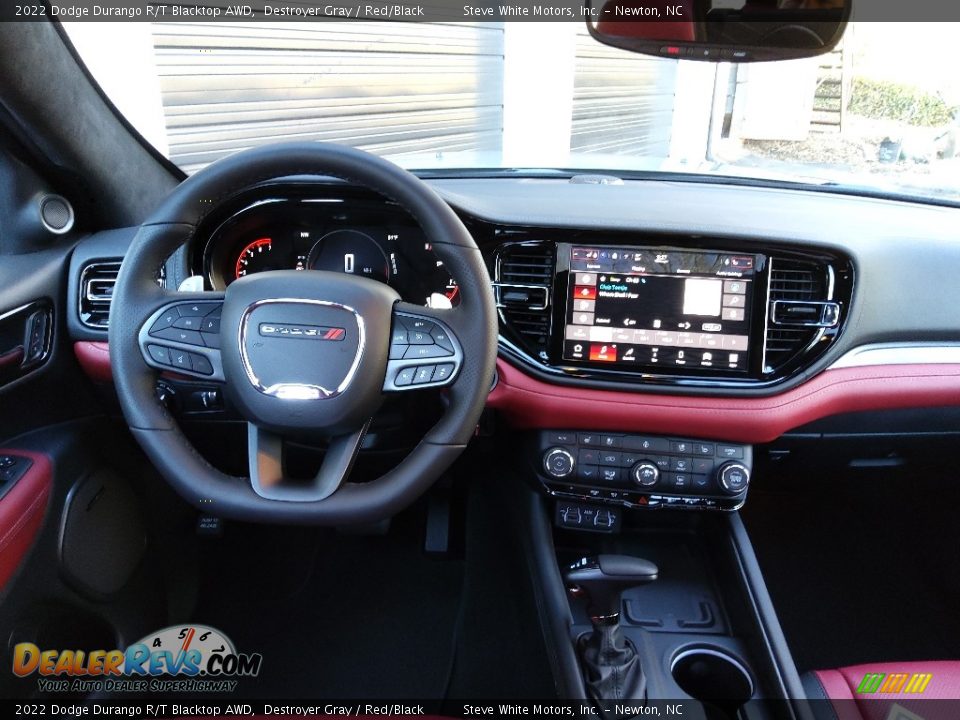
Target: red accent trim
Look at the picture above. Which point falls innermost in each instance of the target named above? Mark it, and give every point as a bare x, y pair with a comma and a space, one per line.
21, 512
530, 403
841, 685
94, 358
944, 685
12, 357
834, 685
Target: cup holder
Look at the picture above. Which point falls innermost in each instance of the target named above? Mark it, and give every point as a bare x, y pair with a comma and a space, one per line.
714, 677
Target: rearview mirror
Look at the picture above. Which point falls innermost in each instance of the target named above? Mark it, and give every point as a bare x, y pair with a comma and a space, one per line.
734, 30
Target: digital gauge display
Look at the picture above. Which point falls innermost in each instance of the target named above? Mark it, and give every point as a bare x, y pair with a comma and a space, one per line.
362, 239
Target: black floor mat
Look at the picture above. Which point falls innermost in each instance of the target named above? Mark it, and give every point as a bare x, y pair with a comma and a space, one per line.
373, 617
862, 566
333, 615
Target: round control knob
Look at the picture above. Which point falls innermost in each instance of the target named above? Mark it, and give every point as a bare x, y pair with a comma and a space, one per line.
734, 477
645, 473
558, 462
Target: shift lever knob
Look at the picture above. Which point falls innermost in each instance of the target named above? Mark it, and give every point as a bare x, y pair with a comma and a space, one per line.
603, 578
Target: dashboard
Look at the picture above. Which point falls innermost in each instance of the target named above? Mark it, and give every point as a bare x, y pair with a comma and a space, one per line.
298, 230
577, 306
828, 280
843, 307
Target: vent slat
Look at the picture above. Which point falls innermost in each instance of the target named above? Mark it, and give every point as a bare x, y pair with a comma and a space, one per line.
96, 293
527, 265
798, 281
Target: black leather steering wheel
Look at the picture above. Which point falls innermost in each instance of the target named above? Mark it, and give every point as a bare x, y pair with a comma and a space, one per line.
301, 352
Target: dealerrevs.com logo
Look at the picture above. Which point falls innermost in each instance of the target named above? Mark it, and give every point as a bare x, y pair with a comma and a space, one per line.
193, 658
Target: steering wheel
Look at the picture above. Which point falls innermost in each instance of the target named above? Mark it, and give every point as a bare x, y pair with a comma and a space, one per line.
301, 352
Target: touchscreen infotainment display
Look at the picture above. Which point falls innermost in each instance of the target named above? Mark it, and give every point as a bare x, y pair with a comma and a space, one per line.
659, 308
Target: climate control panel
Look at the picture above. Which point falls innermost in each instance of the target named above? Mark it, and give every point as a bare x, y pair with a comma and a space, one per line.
643, 470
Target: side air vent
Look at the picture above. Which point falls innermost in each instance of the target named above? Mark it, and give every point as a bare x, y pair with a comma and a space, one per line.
523, 277
96, 292
794, 281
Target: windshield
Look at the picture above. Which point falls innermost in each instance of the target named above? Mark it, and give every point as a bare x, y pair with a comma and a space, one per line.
879, 112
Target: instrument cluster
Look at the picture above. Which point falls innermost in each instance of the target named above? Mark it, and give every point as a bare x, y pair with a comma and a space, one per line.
359, 236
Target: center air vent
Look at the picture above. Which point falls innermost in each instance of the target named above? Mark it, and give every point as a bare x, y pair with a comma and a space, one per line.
794, 281
523, 279
96, 291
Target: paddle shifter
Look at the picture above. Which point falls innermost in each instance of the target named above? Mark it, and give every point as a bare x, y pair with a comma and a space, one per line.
611, 663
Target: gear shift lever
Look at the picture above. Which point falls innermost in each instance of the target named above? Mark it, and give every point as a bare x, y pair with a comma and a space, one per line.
610, 660
603, 578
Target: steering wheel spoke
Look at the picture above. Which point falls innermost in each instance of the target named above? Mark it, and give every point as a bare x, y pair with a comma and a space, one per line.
265, 451
424, 350
183, 336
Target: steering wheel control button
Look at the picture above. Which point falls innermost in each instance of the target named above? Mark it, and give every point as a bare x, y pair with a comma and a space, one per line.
419, 337
164, 321
734, 478
405, 376
159, 354
423, 375
211, 340
414, 346
417, 324
558, 462
197, 310
421, 352
210, 325
180, 359
441, 338
187, 337
443, 371
201, 364
188, 323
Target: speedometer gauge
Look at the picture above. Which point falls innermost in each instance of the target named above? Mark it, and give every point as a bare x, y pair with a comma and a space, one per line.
255, 257
350, 251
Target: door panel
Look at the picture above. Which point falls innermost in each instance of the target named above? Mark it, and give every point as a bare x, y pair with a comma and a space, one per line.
26, 479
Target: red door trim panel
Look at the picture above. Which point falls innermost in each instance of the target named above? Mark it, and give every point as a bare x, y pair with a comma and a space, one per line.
94, 358
526, 402
22, 511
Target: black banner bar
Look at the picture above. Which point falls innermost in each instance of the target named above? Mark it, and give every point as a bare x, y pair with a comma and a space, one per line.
403, 10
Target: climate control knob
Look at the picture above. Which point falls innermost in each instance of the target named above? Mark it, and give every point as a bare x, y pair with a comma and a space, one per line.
645, 473
734, 478
558, 462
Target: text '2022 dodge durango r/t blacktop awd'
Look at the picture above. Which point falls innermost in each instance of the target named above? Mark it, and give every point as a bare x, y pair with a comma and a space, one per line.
578, 359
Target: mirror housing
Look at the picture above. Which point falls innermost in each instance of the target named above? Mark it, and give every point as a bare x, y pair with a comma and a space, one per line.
729, 30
